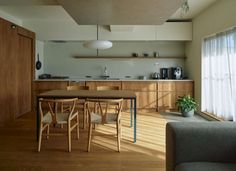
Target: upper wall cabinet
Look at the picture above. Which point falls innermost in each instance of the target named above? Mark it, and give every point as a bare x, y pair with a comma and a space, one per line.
181, 31
121, 33
69, 30
171, 31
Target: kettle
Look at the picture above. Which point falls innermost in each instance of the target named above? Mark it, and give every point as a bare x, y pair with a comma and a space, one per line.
155, 75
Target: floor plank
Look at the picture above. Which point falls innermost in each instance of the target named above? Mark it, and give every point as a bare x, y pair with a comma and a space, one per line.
18, 147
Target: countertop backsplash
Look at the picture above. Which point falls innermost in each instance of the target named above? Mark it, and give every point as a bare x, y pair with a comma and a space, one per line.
58, 60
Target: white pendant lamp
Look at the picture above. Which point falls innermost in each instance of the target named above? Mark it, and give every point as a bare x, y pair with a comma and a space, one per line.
98, 44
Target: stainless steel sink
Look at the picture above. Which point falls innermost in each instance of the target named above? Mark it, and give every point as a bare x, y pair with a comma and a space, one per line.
106, 78
113, 79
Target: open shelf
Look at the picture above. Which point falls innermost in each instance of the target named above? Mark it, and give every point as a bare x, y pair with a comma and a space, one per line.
125, 57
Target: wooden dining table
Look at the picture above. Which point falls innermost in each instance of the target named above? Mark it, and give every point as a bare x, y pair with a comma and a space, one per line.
94, 94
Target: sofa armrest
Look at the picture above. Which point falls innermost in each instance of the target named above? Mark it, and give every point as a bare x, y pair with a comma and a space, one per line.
200, 142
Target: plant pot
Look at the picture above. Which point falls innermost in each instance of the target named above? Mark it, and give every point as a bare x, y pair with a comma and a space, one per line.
187, 113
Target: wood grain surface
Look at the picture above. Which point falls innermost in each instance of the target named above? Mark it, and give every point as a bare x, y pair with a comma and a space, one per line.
18, 147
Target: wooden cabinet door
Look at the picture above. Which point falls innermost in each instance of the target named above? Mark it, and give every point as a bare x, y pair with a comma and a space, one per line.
145, 92
42, 86
166, 100
50, 85
73, 83
166, 86
184, 86
94, 84
169, 91
166, 95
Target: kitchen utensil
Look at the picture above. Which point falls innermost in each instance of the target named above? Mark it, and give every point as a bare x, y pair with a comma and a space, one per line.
171, 73
155, 75
164, 73
142, 77
145, 54
135, 54
178, 73
38, 63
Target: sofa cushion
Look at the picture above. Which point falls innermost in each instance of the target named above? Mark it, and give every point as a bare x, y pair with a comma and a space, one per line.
206, 166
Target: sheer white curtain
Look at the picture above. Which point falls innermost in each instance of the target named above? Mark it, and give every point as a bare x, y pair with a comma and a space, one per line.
219, 75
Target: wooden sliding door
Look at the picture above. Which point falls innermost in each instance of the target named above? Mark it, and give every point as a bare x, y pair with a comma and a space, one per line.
16, 70
24, 74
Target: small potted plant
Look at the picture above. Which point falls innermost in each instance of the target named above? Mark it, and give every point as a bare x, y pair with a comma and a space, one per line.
187, 105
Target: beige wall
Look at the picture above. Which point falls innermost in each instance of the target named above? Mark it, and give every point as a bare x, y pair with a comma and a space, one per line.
58, 58
39, 50
217, 18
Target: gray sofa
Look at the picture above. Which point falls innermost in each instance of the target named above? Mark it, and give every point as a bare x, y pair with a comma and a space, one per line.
201, 146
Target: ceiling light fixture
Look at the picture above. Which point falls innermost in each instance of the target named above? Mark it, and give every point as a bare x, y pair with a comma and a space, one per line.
184, 8
98, 44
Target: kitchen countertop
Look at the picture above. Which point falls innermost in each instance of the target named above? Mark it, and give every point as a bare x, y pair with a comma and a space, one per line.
121, 79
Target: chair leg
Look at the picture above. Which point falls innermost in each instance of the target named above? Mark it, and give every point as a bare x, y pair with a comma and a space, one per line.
89, 136
77, 127
47, 131
69, 138
94, 126
40, 137
85, 118
118, 127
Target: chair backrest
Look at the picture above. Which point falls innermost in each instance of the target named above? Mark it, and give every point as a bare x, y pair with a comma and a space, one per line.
106, 106
75, 87
108, 88
55, 106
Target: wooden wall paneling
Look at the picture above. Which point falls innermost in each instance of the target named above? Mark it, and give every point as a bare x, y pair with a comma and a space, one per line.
17, 59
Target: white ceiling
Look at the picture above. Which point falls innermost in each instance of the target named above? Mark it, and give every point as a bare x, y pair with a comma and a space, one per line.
39, 12
51, 10
120, 12
195, 6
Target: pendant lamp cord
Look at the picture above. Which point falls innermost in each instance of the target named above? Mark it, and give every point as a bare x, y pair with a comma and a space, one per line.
97, 38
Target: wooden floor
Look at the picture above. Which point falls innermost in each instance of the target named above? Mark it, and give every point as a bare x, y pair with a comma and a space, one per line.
18, 147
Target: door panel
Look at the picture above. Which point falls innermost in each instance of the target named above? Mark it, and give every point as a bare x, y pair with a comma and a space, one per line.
24, 74
8, 52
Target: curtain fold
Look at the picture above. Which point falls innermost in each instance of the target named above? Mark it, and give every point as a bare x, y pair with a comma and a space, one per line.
219, 75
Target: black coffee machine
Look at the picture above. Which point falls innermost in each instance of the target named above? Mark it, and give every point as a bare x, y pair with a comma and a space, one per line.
175, 73
171, 73
164, 73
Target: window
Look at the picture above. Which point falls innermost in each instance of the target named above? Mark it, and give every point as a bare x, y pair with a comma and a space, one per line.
219, 75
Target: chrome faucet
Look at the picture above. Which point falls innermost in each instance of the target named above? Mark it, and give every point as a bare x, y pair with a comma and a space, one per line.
105, 73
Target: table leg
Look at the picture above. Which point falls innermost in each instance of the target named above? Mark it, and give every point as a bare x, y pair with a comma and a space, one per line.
131, 113
135, 119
